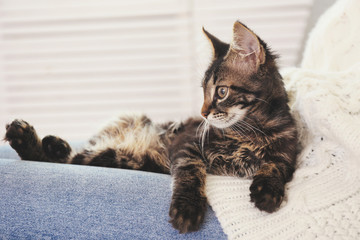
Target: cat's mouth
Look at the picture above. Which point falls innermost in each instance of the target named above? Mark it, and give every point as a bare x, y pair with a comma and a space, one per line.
226, 120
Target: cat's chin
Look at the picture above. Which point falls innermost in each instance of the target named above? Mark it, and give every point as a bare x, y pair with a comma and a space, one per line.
223, 124
228, 121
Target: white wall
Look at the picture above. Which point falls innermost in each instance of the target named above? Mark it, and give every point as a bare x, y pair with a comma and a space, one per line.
67, 66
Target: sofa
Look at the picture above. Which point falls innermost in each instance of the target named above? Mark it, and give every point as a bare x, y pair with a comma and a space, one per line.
60, 201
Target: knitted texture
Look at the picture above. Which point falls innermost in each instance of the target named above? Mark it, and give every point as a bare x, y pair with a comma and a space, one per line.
323, 199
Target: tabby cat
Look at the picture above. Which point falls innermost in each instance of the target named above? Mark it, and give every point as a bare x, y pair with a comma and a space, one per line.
246, 131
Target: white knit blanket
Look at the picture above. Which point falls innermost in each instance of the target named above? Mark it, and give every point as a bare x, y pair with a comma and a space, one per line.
323, 199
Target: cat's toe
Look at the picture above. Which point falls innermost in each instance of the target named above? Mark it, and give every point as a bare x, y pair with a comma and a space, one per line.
55, 148
187, 217
267, 193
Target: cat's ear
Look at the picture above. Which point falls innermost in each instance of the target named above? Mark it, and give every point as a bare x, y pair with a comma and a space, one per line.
247, 45
220, 48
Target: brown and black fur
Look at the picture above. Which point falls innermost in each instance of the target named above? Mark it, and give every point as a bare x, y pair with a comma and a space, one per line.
246, 131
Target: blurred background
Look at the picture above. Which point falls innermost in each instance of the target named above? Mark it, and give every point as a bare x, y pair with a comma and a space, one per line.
69, 66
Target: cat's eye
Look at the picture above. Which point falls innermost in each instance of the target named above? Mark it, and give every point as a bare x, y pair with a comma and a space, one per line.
222, 92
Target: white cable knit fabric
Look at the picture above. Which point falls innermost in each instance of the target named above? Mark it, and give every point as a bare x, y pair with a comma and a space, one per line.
323, 199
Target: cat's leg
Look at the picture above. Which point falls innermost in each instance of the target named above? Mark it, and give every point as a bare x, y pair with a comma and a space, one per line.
103, 151
23, 138
116, 158
188, 205
104, 157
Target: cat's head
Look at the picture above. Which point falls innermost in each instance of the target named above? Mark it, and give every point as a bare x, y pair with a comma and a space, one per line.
242, 77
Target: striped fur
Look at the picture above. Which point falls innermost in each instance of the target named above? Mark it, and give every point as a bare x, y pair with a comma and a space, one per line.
246, 131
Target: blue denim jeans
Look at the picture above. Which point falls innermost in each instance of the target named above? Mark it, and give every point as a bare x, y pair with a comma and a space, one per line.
60, 201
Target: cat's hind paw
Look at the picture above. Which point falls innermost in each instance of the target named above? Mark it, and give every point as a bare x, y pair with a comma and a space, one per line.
55, 148
20, 135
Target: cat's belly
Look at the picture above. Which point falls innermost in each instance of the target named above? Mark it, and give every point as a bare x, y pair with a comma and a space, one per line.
135, 135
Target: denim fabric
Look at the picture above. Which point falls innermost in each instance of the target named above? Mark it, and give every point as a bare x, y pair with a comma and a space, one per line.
6, 152
60, 201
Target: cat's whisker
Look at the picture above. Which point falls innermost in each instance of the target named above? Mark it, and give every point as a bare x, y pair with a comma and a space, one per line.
240, 131
205, 129
223, 133
262, 100
208, 130
200, 130
253, 127
200, 127
250, 126
250, 119
254, 122
242, 125
237, 129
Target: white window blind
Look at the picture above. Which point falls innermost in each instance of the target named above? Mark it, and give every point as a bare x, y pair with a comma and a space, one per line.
67, 66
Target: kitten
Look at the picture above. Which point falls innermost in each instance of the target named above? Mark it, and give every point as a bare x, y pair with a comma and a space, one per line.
246, 131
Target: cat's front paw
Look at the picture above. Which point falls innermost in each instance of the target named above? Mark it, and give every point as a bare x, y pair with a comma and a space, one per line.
267, 193
20, 135
187, 215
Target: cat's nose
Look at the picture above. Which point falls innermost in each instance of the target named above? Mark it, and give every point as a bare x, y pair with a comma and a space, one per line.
205, 114
205, 110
